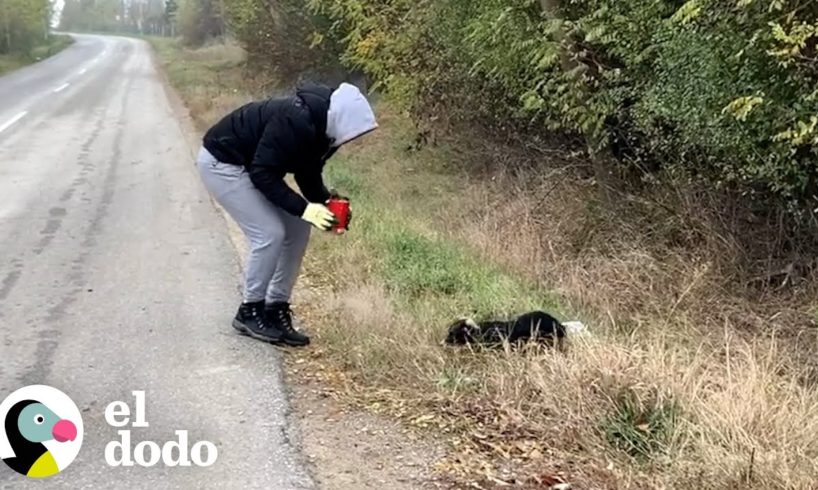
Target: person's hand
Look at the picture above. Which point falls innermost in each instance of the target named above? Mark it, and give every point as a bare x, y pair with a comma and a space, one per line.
319, 216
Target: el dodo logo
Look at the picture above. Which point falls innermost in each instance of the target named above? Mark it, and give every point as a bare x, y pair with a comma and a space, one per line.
41, 433
149, 453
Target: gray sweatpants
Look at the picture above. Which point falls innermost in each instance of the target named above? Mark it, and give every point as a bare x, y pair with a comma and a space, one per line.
277, 239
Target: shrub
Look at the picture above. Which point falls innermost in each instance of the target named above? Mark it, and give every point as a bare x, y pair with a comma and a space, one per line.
642, 429
720, 88
200, 20
278, 37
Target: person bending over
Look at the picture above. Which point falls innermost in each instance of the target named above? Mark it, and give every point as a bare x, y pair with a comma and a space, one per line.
243, 161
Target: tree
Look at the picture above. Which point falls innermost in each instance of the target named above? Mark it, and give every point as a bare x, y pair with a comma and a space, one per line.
94, 15
722, 91
200, 20
171, 8
277, 35
23, 24
148, 16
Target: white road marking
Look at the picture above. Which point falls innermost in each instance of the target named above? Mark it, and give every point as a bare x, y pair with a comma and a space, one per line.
61, 87
13, 120
82, 72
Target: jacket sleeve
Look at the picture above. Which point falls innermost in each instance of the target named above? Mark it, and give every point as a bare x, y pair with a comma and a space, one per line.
272, 185
312, 185
278, 143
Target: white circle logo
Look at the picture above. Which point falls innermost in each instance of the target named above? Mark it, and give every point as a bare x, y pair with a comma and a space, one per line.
41, 431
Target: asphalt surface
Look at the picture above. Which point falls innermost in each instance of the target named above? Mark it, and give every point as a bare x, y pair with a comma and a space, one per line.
116, 274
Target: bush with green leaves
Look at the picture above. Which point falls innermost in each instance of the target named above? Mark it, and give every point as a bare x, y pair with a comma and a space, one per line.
199, 21
23, 25
724, 89
279, 37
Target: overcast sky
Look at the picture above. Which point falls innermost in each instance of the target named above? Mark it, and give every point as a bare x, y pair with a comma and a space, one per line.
58, 4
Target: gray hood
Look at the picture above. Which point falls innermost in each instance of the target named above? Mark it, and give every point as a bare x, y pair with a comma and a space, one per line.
349, 115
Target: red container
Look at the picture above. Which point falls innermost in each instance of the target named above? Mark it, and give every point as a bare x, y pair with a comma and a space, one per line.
340, 208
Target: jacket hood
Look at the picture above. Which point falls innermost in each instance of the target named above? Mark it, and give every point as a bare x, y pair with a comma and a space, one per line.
317, 98
349, 115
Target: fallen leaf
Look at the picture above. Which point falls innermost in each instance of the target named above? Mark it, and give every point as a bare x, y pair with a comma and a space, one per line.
550, 480
498, 481
422, 419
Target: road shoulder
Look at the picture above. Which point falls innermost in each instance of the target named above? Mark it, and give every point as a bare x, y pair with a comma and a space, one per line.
350, 449
15, 61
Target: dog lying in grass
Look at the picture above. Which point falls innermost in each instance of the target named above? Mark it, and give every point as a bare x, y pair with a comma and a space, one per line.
536, 326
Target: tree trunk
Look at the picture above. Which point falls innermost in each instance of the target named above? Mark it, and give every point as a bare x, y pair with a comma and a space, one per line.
600, 164
6, 28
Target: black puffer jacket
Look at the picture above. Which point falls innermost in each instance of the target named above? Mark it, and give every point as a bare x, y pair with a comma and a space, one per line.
276, 137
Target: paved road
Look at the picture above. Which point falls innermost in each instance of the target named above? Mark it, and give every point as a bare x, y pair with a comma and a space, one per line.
116, 275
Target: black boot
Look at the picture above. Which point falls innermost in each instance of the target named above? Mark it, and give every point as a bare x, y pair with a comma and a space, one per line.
251, 320
280, 316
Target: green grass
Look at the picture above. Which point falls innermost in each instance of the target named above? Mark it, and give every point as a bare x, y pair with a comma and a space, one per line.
210, 79
643, 430
9, 63
213, 66
420, 268
426, 272
15, 61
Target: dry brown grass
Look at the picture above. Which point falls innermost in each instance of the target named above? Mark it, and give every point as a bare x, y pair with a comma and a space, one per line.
671, 296
742, 422
671, 338
693, 378
212, 80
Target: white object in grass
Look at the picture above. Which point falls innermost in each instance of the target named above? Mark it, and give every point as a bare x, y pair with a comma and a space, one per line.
574, 327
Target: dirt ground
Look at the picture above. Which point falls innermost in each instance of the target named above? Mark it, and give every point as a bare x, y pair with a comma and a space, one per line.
353, 450
349, 448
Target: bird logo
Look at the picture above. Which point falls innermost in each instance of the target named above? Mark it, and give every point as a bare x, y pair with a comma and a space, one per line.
42, 429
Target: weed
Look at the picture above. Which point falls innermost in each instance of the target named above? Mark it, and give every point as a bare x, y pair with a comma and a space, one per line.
456, 379
641, 428
341, 177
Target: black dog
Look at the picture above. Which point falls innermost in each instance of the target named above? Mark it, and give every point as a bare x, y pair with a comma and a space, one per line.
536, 326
